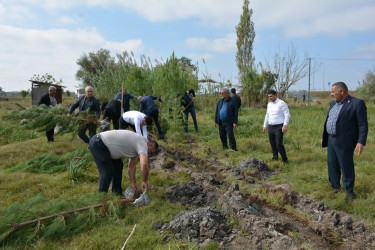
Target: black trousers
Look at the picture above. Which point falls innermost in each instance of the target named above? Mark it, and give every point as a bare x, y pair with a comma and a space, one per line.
155, 116
50, 134
125, 125
224, 130
276, 135
109, 169
82, 133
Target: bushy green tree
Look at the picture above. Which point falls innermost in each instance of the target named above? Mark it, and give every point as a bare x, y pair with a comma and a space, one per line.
367, 90
46, 78
92, 64
255, 86
24, 93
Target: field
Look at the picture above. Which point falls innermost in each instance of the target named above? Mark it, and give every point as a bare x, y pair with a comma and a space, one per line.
30, 193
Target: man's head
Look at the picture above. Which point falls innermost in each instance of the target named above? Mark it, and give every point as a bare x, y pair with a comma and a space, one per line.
124, 92
272, 95
147, 120
339, 91
233, 90
152, 147
52, 90
139, 98
224, 93
89, 91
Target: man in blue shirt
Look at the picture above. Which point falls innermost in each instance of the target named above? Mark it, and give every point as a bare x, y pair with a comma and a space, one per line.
227, 117
148, 107
126, 98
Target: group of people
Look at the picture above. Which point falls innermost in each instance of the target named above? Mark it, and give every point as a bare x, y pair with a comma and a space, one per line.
345, 130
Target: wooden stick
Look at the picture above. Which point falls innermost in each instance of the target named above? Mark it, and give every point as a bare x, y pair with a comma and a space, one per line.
123, 247
122, 98
41, 219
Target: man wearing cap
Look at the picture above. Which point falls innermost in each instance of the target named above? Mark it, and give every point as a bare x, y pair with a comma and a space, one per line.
134, 119
108, 148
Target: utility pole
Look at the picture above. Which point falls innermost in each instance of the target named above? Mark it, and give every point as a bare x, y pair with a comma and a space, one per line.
308, 93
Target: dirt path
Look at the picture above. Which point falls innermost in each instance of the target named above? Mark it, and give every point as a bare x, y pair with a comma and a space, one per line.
221, 213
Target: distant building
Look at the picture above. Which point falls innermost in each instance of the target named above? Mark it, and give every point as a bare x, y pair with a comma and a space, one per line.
39, 89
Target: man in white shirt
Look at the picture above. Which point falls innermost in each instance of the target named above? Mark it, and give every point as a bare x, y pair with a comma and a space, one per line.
135, 119
277, 119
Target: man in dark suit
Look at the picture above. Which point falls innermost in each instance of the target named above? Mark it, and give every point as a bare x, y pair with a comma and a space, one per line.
226, 116
49, 100
345, 130
149, 107
112, 111
87, 101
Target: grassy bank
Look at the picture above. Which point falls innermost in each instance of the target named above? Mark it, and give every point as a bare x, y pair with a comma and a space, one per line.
27, 195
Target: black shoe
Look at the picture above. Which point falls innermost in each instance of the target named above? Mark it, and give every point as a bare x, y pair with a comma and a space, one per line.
274, 159
350, 196
285, 162
234, 149
336, 189
224, 148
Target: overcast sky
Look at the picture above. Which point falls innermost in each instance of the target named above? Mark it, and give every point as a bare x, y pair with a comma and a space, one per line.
46, 36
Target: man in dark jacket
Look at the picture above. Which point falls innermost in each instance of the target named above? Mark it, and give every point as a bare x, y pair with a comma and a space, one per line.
188, 105
227, 117
112, 111
49, 100
148, 107
87, 101
125, 99
345, 130
235, 96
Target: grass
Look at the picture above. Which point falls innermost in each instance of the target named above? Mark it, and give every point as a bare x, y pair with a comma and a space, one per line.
39, 194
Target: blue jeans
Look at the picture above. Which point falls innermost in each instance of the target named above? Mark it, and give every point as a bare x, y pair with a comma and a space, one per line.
109, 169
82, 133
224, 130
190, 110
340, 160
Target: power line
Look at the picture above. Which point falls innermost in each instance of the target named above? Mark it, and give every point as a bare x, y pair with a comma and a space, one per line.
343, 59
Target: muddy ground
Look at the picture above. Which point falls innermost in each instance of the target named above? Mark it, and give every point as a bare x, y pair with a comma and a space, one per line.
221, 213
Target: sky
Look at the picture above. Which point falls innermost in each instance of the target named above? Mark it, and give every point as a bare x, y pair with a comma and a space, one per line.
49, 36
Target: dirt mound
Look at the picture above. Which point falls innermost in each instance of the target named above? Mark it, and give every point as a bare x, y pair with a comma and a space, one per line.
252, 169
200, 225
188, 194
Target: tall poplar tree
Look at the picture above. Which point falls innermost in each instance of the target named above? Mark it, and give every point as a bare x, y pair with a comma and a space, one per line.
245, 38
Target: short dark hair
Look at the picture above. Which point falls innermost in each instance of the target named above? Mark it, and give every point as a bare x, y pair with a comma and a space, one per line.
341, 85
155, 144
271, 92
148, 120
233, 90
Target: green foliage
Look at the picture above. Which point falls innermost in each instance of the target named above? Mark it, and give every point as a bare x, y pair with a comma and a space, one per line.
245, 38
46, 78
74, 162
92, 64
367, 90
24, 93
13, 133
255, 86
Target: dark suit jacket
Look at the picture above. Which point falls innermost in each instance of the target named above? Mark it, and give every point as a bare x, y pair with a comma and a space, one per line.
147, 104
95, 107
351, 125
232, 111
45, 100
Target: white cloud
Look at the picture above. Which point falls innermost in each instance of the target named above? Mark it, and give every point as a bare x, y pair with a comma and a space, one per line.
66, 20
200, 57
25, 52
221, 45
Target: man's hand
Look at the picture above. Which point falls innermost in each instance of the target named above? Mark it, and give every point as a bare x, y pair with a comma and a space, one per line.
359, 147
234, 125
135, 187
68, 114
264, 129
144, 185
181, 111
215, 125
284, 129
194, 98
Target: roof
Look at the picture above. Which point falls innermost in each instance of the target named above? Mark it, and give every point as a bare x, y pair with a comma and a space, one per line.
46, 84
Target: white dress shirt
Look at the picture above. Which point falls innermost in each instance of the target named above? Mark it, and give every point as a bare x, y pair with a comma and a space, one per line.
136, 118
277, 113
